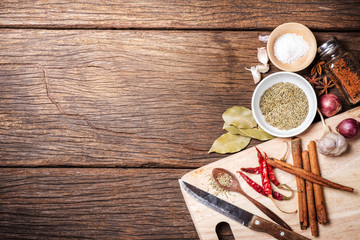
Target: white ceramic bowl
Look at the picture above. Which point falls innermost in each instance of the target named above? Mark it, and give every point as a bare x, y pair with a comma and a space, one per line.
277, 78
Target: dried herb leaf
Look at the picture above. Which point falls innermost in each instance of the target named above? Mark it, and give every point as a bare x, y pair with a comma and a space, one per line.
229, 143
240, 117
232, 129
257, 133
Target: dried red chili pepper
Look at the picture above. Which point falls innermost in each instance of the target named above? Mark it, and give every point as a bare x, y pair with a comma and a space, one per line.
280, 197
260, 189
252, 184
273, 179
254, 170
264, 174
265, 179
271, 173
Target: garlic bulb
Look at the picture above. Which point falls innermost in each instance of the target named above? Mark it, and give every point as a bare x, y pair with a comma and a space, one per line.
332, 144
255, 73
262, 55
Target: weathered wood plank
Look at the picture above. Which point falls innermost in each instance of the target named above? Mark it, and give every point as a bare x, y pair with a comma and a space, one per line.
194, 14
80, 203
122, 98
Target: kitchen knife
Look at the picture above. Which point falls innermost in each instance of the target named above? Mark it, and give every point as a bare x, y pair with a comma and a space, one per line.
240, 215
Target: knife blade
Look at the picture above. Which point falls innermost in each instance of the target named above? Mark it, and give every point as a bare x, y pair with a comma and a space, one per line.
240, 215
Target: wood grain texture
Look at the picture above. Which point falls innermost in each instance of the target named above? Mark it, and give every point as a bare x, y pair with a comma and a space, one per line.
193, 14
122, 98
146, 91
97, 203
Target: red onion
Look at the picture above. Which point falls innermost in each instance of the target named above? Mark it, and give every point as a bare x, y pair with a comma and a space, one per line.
349, 128
329, 104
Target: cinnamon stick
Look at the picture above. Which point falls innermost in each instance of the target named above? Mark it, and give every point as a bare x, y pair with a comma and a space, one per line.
300, 183
310, 196
318, 191
307, 175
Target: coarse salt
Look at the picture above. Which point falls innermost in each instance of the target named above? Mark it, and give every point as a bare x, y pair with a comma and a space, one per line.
290, 47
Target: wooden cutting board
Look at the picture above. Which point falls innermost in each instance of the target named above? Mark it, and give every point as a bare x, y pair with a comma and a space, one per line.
343, 208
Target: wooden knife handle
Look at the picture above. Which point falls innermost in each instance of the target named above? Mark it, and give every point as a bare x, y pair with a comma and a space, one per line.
275, 230
268, 212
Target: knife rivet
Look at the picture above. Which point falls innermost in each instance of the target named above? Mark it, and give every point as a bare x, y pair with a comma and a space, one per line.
282, 234
257, 222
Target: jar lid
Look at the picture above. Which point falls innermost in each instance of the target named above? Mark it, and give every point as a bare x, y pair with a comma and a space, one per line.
329, 46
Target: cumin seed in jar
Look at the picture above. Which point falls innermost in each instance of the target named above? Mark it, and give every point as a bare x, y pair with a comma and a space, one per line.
284, 106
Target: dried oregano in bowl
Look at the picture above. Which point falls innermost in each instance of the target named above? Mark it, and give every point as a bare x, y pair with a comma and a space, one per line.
284, 106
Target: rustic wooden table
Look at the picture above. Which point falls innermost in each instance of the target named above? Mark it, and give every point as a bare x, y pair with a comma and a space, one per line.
105, 104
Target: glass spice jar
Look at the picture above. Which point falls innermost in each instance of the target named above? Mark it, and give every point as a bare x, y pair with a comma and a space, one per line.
343, 68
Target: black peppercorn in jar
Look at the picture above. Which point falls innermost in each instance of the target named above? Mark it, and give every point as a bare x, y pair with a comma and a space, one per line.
343, 68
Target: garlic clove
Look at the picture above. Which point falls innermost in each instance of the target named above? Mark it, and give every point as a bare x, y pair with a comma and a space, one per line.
263, 68
262, 55
255, 73
264, 38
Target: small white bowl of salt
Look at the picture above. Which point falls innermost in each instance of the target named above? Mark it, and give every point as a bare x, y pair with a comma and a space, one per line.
291, 47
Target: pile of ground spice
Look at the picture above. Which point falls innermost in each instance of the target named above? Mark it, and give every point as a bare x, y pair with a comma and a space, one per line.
284, 106
349, 78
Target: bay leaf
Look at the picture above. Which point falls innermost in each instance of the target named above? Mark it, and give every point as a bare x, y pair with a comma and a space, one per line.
229, 143
240, 117
257, 132
232, 129
264, 131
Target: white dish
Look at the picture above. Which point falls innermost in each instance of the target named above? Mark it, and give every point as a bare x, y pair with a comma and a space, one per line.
277, 78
